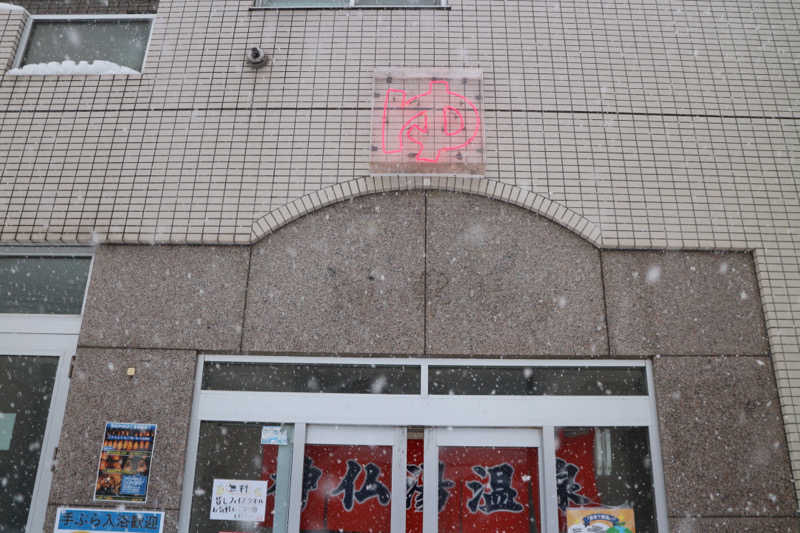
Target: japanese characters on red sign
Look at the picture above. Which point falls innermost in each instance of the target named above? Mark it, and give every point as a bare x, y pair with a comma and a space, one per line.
348, 488
575, 473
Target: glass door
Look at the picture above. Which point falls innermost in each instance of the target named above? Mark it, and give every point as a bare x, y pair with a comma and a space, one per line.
488, 480
341, 436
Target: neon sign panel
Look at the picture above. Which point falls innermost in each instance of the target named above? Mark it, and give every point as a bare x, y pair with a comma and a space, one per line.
437, 130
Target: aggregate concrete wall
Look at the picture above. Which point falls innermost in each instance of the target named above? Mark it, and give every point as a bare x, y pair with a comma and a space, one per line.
501, 281
101, 391
683, 303
440, 274
350, 279
722, 439
166, 297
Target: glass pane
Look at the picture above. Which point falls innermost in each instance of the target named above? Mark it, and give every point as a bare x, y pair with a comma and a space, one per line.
120, 41
347, 488
26, 386
598, 469
53, 285
302, 3
232, 451
287, 377
398, 3
538, 380
485, 488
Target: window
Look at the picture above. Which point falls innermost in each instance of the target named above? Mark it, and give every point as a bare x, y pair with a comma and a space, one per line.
43, 284
350, 4
515, 446
42, 292
81, 44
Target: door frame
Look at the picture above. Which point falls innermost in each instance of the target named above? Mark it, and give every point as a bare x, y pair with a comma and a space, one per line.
45, 335
544, 413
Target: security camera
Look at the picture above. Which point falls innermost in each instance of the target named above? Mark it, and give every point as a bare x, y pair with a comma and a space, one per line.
256, 57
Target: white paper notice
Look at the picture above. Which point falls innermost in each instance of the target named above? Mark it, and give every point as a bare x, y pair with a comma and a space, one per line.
6, 430
238, 499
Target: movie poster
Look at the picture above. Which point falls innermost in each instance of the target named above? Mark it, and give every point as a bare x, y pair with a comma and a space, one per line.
124, 469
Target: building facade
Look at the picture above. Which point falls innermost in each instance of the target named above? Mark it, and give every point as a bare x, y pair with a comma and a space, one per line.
222, 274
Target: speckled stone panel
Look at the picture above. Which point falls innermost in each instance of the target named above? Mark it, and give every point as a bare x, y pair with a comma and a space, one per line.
737, 525
166, 297
348, 278
722, 440
100, 391
683, 303
504, 281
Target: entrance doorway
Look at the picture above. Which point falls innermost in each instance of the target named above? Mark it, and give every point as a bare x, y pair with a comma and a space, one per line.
362, 445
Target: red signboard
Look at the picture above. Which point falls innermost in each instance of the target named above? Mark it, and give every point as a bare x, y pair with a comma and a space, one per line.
348, 488
491, 489
575, 472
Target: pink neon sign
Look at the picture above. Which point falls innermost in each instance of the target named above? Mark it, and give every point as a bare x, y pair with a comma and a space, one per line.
412, 129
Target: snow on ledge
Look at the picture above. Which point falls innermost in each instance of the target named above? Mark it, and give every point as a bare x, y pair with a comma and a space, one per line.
11, 7
70, 67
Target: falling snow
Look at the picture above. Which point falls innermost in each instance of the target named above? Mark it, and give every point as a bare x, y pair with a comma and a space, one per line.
653, 274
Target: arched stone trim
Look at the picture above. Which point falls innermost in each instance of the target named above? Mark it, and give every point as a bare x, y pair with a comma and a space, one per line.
365, 185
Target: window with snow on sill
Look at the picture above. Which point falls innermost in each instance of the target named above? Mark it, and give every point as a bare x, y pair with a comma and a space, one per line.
71, 67
81, 44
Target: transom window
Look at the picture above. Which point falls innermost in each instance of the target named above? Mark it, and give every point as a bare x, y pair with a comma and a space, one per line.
509, 445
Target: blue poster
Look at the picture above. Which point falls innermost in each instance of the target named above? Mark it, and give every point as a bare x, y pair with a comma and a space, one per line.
69, 520
124, 469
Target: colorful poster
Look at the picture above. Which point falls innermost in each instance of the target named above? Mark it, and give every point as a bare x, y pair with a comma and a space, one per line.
124, 469
239, 499
600, 520
70, 520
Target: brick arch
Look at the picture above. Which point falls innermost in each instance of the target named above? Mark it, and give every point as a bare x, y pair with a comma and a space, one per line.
534, 202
